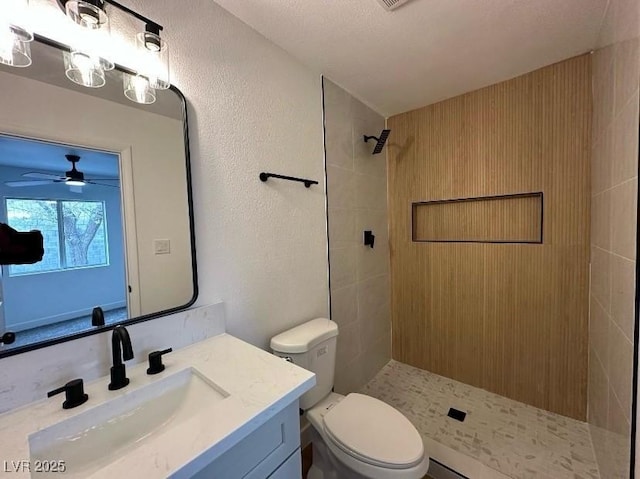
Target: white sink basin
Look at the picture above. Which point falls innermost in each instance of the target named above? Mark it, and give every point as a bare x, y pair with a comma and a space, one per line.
97, 437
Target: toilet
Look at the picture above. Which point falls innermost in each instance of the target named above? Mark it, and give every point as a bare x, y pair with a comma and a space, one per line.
355, 436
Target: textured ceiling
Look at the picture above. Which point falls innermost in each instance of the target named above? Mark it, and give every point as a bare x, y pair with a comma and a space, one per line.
426, 50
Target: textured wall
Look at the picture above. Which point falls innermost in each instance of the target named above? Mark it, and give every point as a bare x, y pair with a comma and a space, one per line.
614, 183
261, 247
357, 201
509, 318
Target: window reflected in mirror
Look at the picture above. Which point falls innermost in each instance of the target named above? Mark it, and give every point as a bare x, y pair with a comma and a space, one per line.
84, 262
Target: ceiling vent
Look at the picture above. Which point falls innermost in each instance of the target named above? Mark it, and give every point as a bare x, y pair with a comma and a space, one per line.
390, 5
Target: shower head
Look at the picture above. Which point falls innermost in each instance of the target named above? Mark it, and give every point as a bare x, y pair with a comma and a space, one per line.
380, 141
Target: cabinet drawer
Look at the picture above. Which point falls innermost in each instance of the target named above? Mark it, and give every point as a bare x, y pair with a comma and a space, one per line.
291, 469
260, 453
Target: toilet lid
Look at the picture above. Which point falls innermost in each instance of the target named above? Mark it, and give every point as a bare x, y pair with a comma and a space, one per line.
374, 432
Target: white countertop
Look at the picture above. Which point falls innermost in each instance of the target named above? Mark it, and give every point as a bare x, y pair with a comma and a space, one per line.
259, 385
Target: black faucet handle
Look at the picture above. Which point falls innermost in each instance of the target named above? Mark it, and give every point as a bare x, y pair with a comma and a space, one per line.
74, 392
155, 361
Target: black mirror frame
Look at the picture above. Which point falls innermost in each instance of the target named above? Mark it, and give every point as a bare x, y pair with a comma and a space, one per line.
146, 317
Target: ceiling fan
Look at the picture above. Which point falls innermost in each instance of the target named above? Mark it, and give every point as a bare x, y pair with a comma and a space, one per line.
73, 178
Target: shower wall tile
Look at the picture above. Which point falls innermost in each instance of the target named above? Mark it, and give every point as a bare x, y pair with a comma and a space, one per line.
344, 305
600, 224
626, 71
359, 275
601, 166
624, 200
623, 278
601, 277
343, 265
342, 184
621, 368
342, 229
625, 142
614, 167
599, 323
598, 393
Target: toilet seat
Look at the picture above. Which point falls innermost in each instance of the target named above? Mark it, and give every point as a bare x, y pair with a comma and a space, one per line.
369, 430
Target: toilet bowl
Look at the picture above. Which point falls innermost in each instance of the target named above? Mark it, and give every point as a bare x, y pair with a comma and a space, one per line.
355, 436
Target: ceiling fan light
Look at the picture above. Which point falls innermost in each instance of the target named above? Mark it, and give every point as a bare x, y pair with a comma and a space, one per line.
71, 182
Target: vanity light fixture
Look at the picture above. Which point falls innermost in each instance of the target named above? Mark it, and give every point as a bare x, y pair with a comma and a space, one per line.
86, 64
155, 56
15, 34
87, 13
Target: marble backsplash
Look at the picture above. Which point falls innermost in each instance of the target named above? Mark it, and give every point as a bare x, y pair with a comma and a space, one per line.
27, 377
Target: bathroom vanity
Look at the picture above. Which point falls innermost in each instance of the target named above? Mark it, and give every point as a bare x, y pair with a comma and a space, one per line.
221, 408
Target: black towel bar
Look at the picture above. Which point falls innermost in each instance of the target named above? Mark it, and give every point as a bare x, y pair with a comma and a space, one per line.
307, 183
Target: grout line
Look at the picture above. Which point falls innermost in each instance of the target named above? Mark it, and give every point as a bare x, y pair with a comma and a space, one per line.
633, 178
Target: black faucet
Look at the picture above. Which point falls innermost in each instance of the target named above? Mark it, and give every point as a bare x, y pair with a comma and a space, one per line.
119, 377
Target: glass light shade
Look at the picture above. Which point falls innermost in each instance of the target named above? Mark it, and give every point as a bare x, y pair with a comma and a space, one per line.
91, 36
154, 59
74, 183
138, 88
14, 51
87, 14
83, 69
14, 16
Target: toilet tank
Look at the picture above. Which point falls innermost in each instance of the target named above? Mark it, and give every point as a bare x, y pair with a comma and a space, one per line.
311, 346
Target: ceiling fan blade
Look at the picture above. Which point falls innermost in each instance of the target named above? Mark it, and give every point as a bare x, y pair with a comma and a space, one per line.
100, 184
28, 183
42, 176
102, 179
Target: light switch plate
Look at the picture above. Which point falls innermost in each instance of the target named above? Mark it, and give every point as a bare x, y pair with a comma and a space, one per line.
162, 246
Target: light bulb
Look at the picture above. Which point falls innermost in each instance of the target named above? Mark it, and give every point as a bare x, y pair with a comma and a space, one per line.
75, 183
137, 88
154, 59
84, 69
14, 51
15, 33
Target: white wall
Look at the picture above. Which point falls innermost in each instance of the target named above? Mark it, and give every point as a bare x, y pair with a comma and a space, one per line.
261, 247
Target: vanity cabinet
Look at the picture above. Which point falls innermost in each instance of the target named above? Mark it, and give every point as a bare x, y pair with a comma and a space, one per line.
271, 451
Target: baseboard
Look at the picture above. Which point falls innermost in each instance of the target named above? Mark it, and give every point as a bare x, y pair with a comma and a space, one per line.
59, 318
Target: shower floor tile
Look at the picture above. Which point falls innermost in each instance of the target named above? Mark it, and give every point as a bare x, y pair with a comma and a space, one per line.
518, 440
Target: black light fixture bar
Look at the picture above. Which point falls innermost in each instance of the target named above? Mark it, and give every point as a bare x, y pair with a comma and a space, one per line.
151, 26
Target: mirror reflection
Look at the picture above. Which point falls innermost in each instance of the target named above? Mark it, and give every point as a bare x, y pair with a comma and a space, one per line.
105, 182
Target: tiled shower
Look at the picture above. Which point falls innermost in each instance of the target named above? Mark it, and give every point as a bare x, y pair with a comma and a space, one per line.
511, 433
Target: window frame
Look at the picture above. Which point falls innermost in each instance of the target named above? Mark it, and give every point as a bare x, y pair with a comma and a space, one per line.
62, 248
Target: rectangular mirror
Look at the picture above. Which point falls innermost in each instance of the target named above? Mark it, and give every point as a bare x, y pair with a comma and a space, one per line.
106, 180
